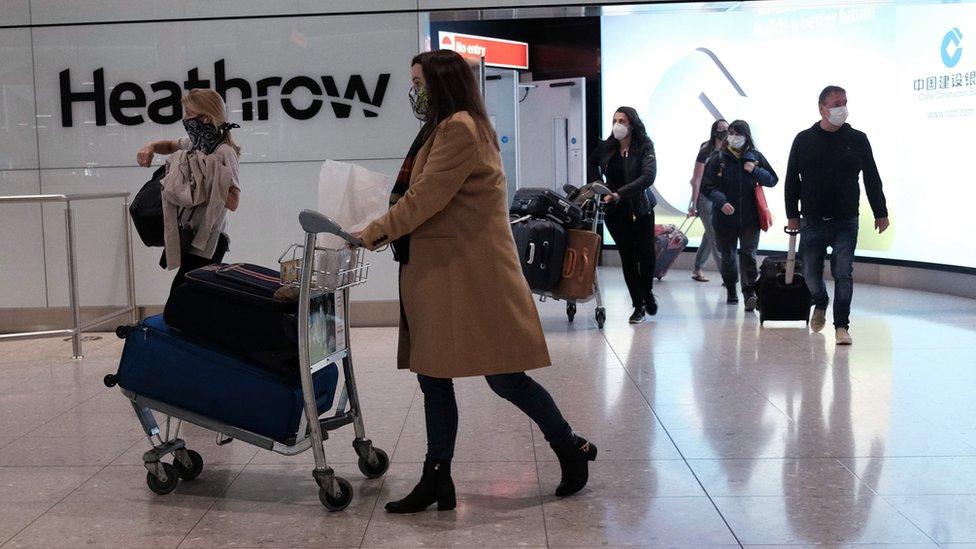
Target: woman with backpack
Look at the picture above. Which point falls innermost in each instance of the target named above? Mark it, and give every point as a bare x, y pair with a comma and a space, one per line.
209, 151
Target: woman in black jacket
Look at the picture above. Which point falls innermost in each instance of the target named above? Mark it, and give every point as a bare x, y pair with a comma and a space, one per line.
626, 160
729, 181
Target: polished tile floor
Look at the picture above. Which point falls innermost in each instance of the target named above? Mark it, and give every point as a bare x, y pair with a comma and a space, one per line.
712, 432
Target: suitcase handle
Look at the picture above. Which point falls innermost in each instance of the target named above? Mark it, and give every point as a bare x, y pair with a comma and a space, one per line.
570, 264
586, 264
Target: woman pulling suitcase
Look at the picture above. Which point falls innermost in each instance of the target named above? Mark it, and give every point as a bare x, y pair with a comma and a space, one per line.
466, 307
208, 141
729, 181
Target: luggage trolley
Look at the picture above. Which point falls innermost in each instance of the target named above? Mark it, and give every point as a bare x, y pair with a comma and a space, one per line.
335, 493
594, 209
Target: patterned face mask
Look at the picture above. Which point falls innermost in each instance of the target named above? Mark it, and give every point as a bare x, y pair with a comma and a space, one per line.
419, 102
206, 137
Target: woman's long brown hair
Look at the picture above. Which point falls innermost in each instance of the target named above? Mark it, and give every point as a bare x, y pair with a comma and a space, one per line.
451, 87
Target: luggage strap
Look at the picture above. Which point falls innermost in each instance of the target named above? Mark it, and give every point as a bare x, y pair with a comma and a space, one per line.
251, 278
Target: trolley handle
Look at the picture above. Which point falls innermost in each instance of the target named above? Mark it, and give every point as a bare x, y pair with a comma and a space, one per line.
313, 223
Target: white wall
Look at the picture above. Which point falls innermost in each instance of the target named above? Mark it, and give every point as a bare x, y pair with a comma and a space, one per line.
282, 155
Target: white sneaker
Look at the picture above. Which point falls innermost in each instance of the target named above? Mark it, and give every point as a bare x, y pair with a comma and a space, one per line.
819, 320
843, 337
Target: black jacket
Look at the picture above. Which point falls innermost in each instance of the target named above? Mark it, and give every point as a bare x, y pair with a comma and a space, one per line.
822, 174
726, 181
641, 167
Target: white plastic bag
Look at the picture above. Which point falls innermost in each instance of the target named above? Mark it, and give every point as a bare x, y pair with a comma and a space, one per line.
352, 196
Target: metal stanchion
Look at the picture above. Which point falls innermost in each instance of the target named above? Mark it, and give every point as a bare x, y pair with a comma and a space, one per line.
129, 269
75, 332
69, 229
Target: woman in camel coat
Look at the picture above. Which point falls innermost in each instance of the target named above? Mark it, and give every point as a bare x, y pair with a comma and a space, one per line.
466, 307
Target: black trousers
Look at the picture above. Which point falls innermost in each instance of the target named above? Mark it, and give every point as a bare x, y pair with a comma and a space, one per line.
441, 413
635, 242
189, 262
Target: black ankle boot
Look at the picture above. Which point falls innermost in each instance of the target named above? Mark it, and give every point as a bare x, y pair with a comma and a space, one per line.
574, 461
651, 305
731, 293
435, 486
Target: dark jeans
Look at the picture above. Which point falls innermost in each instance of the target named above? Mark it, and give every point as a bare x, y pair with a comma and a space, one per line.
189, 262
841, 236
440, 410
635, 242
737, 248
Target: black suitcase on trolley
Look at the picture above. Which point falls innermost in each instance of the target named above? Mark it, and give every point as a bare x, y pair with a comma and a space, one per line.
541, 248
782, 291
543, 203
245, 310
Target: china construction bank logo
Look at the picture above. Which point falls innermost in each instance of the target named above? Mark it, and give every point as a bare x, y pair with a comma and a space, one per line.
952, 48
959, 81
301, 97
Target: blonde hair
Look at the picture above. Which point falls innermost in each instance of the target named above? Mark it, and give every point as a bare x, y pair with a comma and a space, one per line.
210, 103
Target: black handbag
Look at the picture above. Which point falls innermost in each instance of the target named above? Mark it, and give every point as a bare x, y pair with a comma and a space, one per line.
146, 210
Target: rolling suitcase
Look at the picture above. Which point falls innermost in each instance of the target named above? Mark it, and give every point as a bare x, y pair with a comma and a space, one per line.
579, 267
543, 203
246, 311
157, 363
782, 291
541, 248
669, 242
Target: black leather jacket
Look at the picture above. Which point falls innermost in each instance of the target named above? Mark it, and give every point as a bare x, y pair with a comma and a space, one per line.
641, 167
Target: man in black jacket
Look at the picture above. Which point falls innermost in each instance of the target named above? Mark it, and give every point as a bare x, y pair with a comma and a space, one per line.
822, 201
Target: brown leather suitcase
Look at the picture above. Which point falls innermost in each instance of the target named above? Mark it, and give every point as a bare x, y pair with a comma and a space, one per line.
579, 266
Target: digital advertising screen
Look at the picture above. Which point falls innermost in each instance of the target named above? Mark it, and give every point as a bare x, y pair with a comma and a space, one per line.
909, 69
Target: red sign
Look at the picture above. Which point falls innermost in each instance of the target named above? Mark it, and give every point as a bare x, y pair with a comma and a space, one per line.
497, 53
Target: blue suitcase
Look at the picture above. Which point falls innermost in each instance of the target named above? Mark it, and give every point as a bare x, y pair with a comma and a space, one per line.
163, 366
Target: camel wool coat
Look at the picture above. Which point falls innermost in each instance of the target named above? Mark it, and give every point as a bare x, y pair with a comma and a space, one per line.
467, 308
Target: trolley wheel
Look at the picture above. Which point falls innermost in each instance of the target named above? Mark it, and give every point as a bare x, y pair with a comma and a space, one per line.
660, 277
339, 503
601, 317
378, 470
192, 472
122, 332
110, 380
571, 311
160, 487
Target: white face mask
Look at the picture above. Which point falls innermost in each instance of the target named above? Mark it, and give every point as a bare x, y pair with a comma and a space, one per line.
736, 141
837, 116
620, 131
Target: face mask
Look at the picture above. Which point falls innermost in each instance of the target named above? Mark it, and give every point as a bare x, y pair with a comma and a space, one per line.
721, 135
620, 131
736, 141
205, 136
837, 116
419, 102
